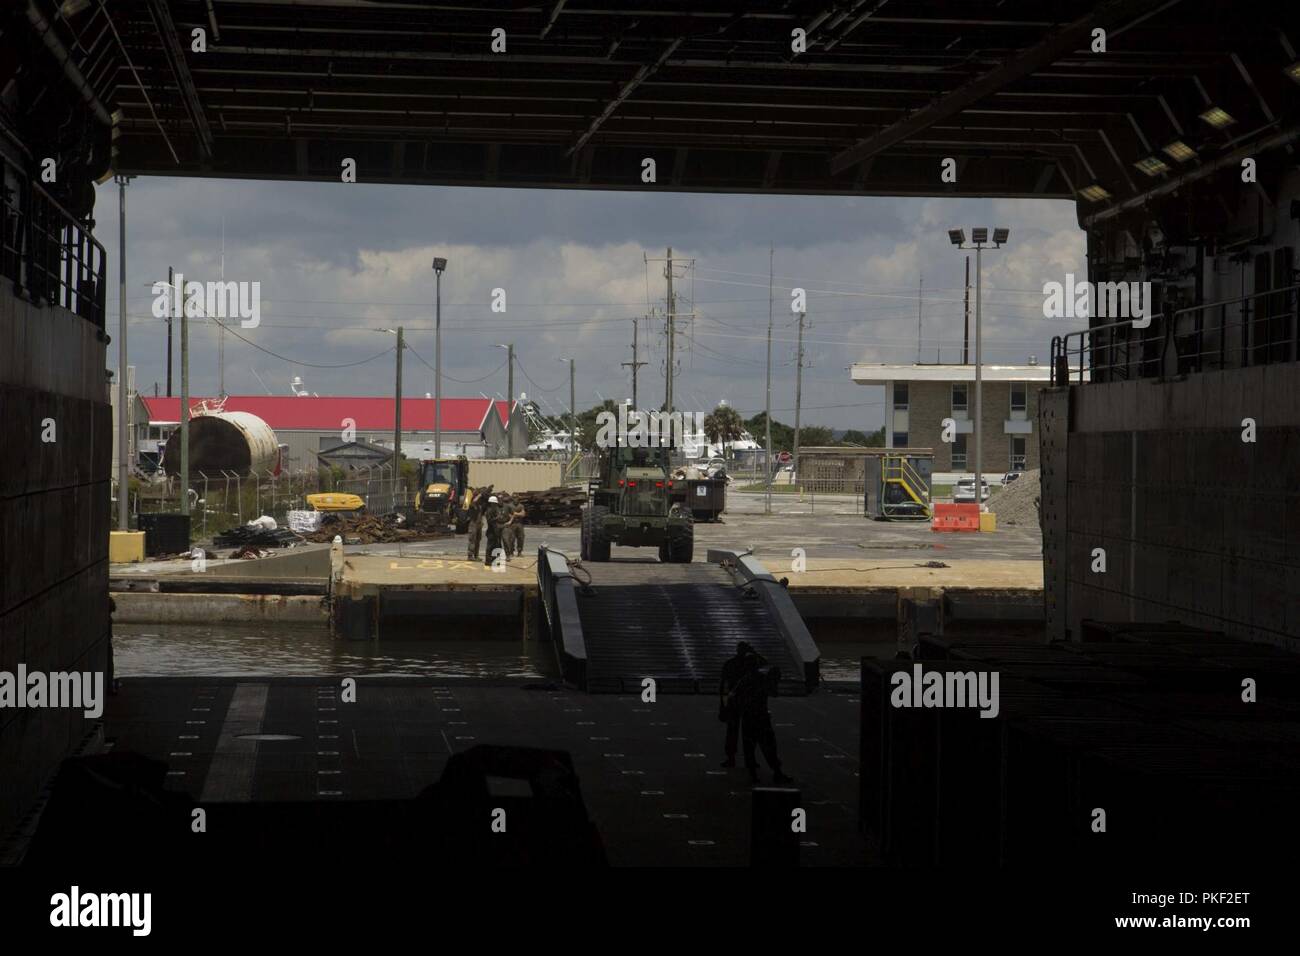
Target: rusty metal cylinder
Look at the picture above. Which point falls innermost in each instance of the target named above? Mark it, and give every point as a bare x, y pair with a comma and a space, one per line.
225, 442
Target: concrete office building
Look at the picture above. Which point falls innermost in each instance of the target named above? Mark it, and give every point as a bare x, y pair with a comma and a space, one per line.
919, 397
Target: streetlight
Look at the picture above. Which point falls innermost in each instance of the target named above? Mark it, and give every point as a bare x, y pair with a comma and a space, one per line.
438, 265
510, 397
573, 409
979, 241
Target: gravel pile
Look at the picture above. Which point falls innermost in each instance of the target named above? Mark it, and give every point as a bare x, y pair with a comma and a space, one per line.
1017, 503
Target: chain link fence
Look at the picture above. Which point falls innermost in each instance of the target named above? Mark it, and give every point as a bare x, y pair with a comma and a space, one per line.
227, 500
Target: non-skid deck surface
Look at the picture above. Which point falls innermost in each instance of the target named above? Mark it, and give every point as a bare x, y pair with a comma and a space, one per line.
649, 771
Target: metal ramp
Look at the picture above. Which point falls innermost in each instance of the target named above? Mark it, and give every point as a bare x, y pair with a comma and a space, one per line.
616, 623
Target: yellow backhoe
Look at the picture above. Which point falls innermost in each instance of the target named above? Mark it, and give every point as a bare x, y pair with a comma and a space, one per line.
444, 491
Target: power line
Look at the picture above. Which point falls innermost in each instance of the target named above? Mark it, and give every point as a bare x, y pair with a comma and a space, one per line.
459, 381
534, 384
292, 361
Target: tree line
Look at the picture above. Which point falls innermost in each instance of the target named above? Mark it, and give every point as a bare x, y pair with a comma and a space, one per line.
722, 426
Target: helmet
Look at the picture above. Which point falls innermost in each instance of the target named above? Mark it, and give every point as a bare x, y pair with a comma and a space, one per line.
493, 500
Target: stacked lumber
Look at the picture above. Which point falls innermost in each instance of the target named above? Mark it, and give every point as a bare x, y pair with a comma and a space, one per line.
559, 507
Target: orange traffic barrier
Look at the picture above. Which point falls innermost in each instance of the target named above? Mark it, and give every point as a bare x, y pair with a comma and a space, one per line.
955, 517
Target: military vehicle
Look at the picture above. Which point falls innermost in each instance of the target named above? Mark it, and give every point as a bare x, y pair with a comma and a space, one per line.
444, 491
635, 502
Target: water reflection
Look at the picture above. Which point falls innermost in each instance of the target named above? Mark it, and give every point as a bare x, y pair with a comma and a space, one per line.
146, 650
175, 650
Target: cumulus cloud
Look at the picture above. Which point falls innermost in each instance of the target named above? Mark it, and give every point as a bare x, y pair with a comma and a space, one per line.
340, 263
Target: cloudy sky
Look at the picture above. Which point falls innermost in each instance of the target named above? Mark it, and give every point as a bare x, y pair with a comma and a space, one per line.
338, 263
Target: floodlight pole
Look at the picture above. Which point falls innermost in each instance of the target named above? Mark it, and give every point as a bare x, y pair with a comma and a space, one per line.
438, 265
979, 239
979, 385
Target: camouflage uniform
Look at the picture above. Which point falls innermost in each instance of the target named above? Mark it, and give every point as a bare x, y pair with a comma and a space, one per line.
475, 531
495, 518
513, 539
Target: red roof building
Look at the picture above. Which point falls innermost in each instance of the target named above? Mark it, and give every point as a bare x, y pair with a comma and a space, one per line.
328, 413
305, 425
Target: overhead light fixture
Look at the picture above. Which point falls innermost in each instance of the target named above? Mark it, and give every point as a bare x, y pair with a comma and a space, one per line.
958, 236
1180, 151
1217, 118
979, 235
1293, 71
439, 264
1094, 193
1000, 235
1152, 165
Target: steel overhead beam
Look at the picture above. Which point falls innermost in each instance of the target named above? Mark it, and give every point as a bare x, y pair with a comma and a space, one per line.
1036, 57
623, 94
1229, 159
175, 57
857, 21
551, 17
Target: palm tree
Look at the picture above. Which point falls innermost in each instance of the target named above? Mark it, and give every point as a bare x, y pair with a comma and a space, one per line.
722, 425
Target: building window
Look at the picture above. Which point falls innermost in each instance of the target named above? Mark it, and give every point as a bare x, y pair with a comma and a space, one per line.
900, 396
959, 452
900, 440
1019, 397
959, 400
1017, 453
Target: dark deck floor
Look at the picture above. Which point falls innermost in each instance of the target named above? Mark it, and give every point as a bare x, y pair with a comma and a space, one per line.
649, 772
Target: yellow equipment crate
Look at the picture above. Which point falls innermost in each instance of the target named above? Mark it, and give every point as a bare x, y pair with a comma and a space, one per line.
125, 546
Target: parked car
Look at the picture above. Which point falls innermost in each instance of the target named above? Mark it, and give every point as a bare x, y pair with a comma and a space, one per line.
964, 491
1010, 477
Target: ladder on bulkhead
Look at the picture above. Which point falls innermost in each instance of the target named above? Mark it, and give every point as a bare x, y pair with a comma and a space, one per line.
914, 500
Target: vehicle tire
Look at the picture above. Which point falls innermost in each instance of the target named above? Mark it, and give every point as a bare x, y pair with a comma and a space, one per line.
664, 554
682, 550
597, 543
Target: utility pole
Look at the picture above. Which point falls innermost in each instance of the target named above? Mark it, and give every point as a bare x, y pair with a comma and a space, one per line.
171, 281
672, 309
123, 439
573, 412
798, 392
634, 364
965, 348
510, 397
185, 408
221, 328
767, 414
397, 412
919, 280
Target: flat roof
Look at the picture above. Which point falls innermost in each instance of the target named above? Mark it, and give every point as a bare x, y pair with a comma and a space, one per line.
869, 374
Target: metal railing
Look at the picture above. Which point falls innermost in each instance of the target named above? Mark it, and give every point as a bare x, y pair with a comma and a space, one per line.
48, 253
896, 470
1262, 328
